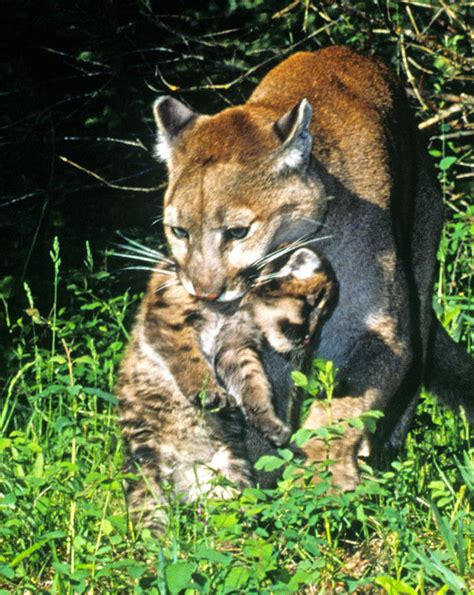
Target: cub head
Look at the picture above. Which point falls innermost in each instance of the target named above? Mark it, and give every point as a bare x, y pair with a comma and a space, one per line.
237, 180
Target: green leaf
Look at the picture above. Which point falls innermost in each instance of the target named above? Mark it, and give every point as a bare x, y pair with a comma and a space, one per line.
7, 571
269, 463
370, 418
102, 394
5, 443
226, 521
434, 564
91, 306
85, 56
178, 575
299, 379
136, 571
253, 495
63, 422
356, 422
301, 437
6, 286
54, 535
107, 527
286, 454
8, 501
447, 162
39, 544
38, 466
236, 579
203, 552
392, 586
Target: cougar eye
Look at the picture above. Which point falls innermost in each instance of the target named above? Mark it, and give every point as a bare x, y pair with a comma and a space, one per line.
236, 233
179, 232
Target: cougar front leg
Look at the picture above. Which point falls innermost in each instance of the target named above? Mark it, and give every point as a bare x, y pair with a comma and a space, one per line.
239, 367
374, 373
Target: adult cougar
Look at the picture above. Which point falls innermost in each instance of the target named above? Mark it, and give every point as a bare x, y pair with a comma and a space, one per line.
326, 138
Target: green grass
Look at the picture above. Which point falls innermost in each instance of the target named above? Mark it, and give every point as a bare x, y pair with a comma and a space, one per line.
64, 526
63, 516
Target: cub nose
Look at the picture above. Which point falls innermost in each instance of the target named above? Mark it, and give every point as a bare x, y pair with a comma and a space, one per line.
212, 297
197, 292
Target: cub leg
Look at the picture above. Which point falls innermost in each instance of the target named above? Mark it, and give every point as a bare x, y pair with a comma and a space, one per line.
238, 363
145, 500
169, 322
142, 411
169, 441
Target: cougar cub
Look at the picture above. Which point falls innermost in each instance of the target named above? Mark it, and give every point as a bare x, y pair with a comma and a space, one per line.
193, 376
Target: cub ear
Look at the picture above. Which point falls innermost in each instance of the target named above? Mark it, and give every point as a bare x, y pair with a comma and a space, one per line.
171, 117
293, 130
303, 263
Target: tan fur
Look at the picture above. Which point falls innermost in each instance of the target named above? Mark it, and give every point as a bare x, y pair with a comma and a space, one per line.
343, 453
384, 327
221, 169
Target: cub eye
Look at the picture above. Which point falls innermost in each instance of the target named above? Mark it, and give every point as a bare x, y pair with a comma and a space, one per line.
179, 232
236, 233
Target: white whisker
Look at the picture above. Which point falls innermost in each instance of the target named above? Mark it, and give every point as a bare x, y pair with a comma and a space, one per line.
165, 271
134, 246
152, 269
166, 285
144, 252
138, 268
136, 257
270, 276
259, 282
283, 250
304, 241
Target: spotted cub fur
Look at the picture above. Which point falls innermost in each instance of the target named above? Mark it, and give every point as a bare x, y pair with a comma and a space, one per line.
193, 377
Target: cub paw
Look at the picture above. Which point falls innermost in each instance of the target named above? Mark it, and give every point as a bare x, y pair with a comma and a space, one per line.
277, 432
214, 399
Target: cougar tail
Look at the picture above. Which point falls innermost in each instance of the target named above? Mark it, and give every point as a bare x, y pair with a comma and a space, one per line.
450, 371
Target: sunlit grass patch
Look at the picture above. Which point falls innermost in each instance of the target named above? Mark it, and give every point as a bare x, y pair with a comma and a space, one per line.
63, 518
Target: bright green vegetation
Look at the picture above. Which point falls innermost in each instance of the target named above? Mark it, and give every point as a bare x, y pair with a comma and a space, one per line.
63, 519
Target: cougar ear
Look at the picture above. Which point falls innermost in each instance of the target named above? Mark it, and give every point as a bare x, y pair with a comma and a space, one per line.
171, 117
293, 131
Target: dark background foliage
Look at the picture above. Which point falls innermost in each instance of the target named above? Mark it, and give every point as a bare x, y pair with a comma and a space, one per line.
79, 78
